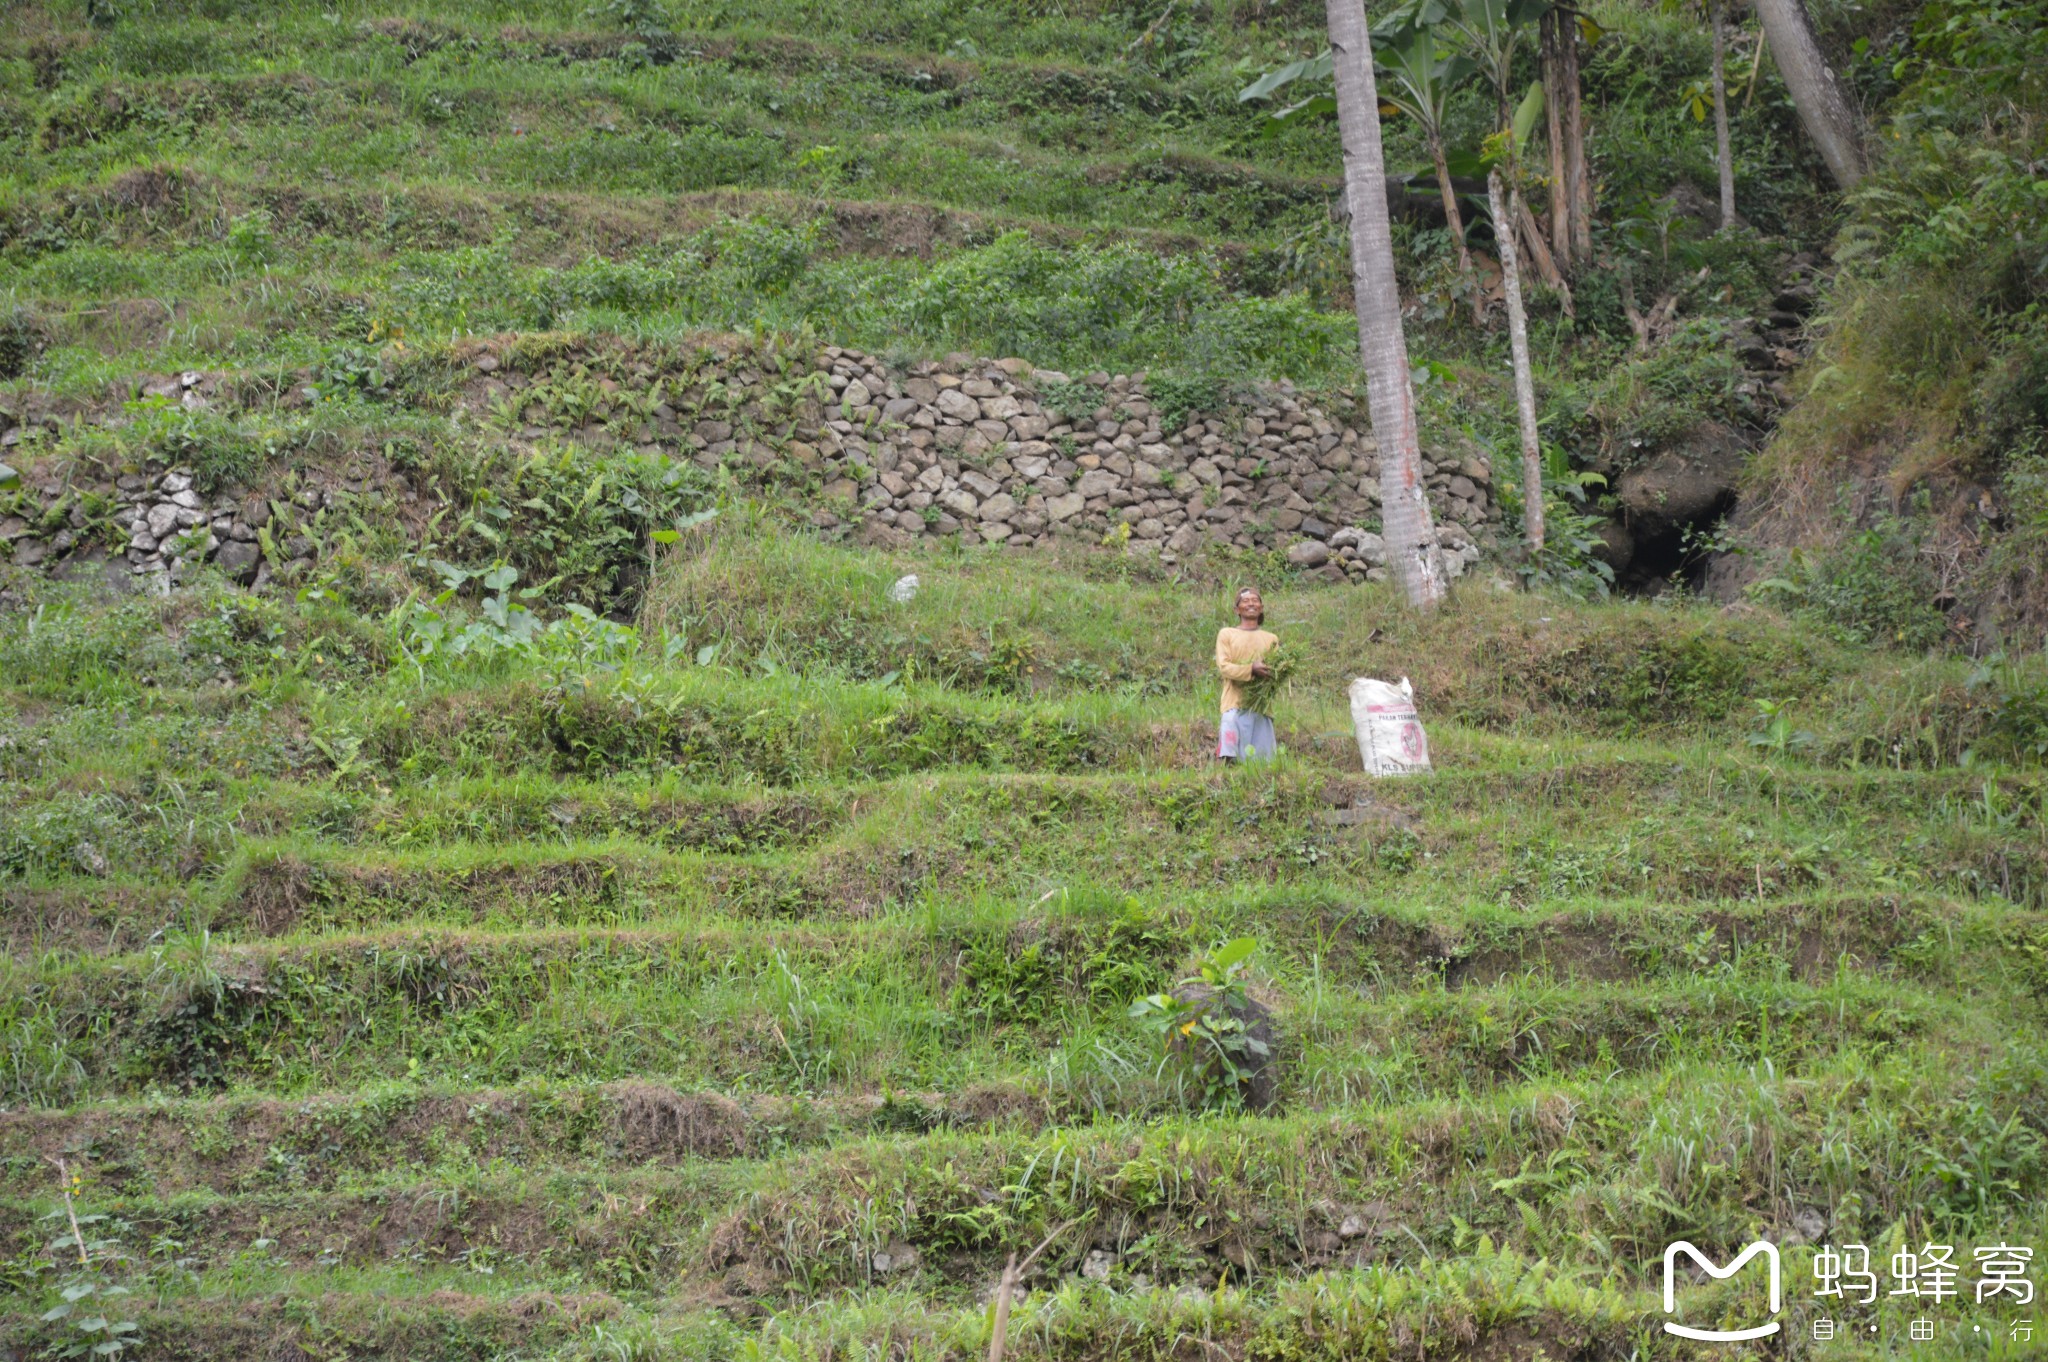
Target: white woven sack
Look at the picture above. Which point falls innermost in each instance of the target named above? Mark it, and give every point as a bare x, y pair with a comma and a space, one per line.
1390, 737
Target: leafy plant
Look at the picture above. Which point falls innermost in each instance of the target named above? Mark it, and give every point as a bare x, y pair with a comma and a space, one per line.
1073, 401
580, 523
37, 1065
999, 985
641, 16
187, 967
1777, 735
1570, 560
1180, 397
1876, 588
1981, 1165
2018, 697
1114, 303
23, 337
1201, 1026
250, 239
348, 369
1417, 75
219, 450
443, 631
89, 1303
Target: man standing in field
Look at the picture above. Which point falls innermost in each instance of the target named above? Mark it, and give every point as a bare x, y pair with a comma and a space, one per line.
1240, 659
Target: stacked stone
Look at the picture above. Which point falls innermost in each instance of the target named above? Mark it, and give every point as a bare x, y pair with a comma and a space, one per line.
11, 432
193, 389
1773, 348
960, 448
170, 525
29, 548
173, 528
1361, 555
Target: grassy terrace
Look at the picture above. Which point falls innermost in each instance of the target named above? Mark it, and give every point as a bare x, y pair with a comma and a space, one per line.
432, 170
199, 184
749, 979
390, 1003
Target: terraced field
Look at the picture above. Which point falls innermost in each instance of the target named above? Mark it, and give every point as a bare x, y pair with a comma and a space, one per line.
744, 970
204, 179
225, 183
449, 1048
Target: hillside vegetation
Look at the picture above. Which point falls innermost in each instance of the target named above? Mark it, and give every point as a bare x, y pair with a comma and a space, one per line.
585, 995
536, 887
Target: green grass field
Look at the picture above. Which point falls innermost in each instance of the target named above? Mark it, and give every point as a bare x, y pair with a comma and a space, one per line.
749, 975
379, 1017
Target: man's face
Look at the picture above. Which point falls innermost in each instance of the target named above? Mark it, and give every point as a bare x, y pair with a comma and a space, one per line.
1250, 606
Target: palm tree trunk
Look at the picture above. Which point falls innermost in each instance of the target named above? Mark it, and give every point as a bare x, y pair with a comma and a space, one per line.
1406, 523
1823, 108
1506, 209
1553, 38
1455, 220
1721, 150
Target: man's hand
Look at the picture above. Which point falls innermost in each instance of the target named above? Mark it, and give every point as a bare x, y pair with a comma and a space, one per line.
1261, 670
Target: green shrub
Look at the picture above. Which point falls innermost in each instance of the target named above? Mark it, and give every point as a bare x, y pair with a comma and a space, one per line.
573, 520
1202, 1027
1659, 399
22, 338
1072, 401
221, 451
60, 647
1121, 304
39, 1065
2015, 571
597, 726
2017, 693
1934, 326
1180, 396
1876, 588
1002, 983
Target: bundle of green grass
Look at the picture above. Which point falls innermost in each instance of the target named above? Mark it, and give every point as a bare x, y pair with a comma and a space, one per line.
1261, 691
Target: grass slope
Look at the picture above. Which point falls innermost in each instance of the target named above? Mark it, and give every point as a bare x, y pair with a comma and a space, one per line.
425, 1032
752, 983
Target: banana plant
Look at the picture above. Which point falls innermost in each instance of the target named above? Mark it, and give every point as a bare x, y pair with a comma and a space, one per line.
1492, 33
1317, 67
1421, 77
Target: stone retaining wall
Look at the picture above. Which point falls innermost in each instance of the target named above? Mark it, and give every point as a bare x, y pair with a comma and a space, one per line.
992, 451
980, 449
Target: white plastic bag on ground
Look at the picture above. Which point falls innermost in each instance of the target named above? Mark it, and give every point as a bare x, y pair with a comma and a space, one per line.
1390, 738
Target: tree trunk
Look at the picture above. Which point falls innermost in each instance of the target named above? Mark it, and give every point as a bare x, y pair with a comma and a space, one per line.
1823, 109
1406, 523
1721, 151
1455, 220
1555, 34
1578, 179
1539, 255
999, 1332
1506, 208
1756, 64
